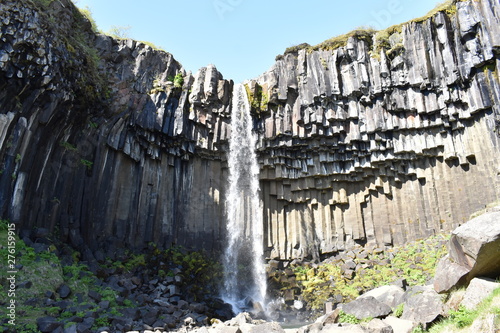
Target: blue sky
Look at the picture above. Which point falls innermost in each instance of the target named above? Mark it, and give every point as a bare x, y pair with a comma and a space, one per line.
242, 37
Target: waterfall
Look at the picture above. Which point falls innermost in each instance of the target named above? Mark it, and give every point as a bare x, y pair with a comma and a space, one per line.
244, 270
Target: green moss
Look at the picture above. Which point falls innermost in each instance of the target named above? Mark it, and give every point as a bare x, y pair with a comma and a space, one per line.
378, 40
68, 146
414, 262
398, 311
178, 80
333, 43
348, 318
364, 34
462, 317
295, 49
257, 98
87, 13
88, 164
43, 3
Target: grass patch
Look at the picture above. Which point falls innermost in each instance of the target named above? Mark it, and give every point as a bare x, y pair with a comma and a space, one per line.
462, 318
376, 40
415, 262
257, 98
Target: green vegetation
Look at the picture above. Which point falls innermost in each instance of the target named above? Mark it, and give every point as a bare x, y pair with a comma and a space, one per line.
377, 40
119, 32
42, 270
333, 43
398, 311
88, 164
178, 80
44, 3
414, 262
87, 13
68, 146
462, 317
200, 274
257, 98
348, 318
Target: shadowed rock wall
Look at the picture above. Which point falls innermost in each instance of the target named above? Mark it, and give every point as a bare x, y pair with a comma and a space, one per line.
102, 143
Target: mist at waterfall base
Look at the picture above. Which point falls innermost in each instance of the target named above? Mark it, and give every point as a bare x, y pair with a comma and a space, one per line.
245, 284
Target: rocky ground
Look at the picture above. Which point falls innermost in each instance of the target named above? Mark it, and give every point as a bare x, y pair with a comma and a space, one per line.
172, 290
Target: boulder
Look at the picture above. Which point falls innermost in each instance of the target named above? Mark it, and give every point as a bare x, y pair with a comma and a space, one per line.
477, 291
474, 250
366, 307
64, 291
228, 329
272, 327
422, 305
389, 295
486, 324
342, 328
400, 325
48, 324
377, 326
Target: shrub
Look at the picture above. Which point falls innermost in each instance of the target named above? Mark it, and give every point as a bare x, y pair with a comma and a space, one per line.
178, 80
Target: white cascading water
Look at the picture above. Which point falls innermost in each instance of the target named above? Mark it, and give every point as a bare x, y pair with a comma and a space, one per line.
245, 277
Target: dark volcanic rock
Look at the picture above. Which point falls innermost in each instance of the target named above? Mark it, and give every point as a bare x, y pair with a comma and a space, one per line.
422, 305
367, 307
474, 250
64, 291
48, 324
124, 157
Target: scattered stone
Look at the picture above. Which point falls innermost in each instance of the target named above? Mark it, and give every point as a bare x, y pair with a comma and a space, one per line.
25, 285
448, 274
342, 328
390, 295
228, 329
366, 307
331, 318
400, 325
272, 327
488, 324
95, 295
298, 305
477, 291
72, 329
401, 283
349, 274
64, 291
377, 326
422, 305
47, 324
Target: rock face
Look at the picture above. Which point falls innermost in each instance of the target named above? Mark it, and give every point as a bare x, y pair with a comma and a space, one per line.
363, 148
110, 142
474, 250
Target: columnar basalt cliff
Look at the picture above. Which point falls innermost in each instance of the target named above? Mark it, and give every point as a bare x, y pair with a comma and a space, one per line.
382, 148
377, 141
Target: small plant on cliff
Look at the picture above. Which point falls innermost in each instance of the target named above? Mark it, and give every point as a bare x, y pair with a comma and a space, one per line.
178, 80
257, 98
68, 146
119, 32
88, 164
87, 13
